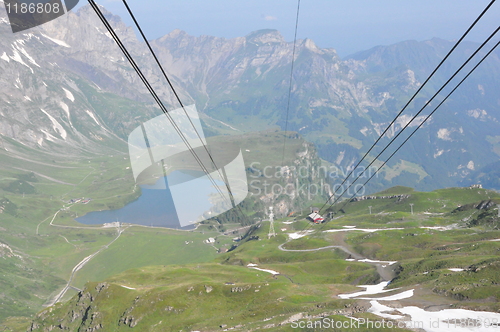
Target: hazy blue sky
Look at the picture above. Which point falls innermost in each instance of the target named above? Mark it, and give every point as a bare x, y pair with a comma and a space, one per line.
346, 25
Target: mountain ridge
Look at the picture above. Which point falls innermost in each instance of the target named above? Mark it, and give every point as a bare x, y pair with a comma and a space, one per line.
341, 105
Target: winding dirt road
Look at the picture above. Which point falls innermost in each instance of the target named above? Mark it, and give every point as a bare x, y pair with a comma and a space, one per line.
78, 267
385, 271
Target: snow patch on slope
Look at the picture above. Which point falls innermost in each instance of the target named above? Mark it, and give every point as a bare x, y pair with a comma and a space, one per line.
56, 125
369, 290
450, 320
127, 287
69, 95
366, 260
92, 116
107, 34
5, 57
57, 41
298, 235
383, 311
266, 270
65, 107
399, 296
48, 136
367, 230
23, 51
17, 57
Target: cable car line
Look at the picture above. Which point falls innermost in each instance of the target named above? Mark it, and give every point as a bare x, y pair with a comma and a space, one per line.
226, 182
420, 111
421, 124
151, 91
411, 99
414, 117
221, 174
157, 99
291, 82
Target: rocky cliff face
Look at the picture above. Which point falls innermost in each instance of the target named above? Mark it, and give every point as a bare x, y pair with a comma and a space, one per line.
61, 86
84, 315
293, 187
41, 103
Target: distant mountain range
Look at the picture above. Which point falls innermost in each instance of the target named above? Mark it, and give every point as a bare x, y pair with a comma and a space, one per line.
65, 86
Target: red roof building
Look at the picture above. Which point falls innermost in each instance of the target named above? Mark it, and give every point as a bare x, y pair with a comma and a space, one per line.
316, 218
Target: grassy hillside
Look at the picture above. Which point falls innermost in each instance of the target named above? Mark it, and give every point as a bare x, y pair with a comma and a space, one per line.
34, 186
38, 208
448, 262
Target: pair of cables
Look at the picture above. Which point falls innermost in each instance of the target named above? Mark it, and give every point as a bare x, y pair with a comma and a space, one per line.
155, 96
422, 123
415, 116
427, 104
